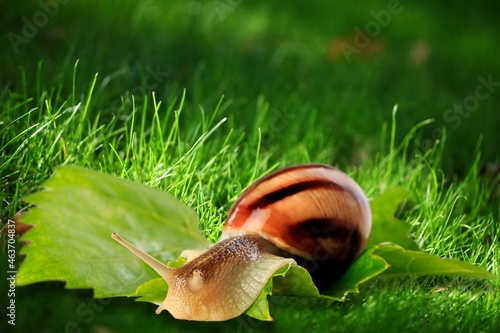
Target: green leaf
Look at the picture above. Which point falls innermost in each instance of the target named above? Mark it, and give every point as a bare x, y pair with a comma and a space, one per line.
153, 291
385, 227
290, 280
367, 266
73, 221
296, 281
260, 308
415, 263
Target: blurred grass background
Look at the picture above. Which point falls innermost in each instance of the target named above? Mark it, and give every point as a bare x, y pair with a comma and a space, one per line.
279, 65
282, 52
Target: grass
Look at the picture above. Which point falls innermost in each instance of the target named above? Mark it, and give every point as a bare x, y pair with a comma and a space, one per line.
238, 95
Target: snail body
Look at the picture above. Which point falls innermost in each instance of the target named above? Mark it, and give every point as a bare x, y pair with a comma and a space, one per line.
311, 214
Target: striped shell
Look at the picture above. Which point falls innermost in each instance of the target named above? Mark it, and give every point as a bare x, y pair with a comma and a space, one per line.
312, 211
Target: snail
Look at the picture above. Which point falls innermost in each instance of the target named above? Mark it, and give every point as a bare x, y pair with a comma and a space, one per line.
311, 214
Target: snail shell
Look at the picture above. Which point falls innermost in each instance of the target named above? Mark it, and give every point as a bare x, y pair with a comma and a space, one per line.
313, 213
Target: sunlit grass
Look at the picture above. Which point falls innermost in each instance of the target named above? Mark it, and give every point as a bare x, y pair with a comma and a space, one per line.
240, 97
192, 153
